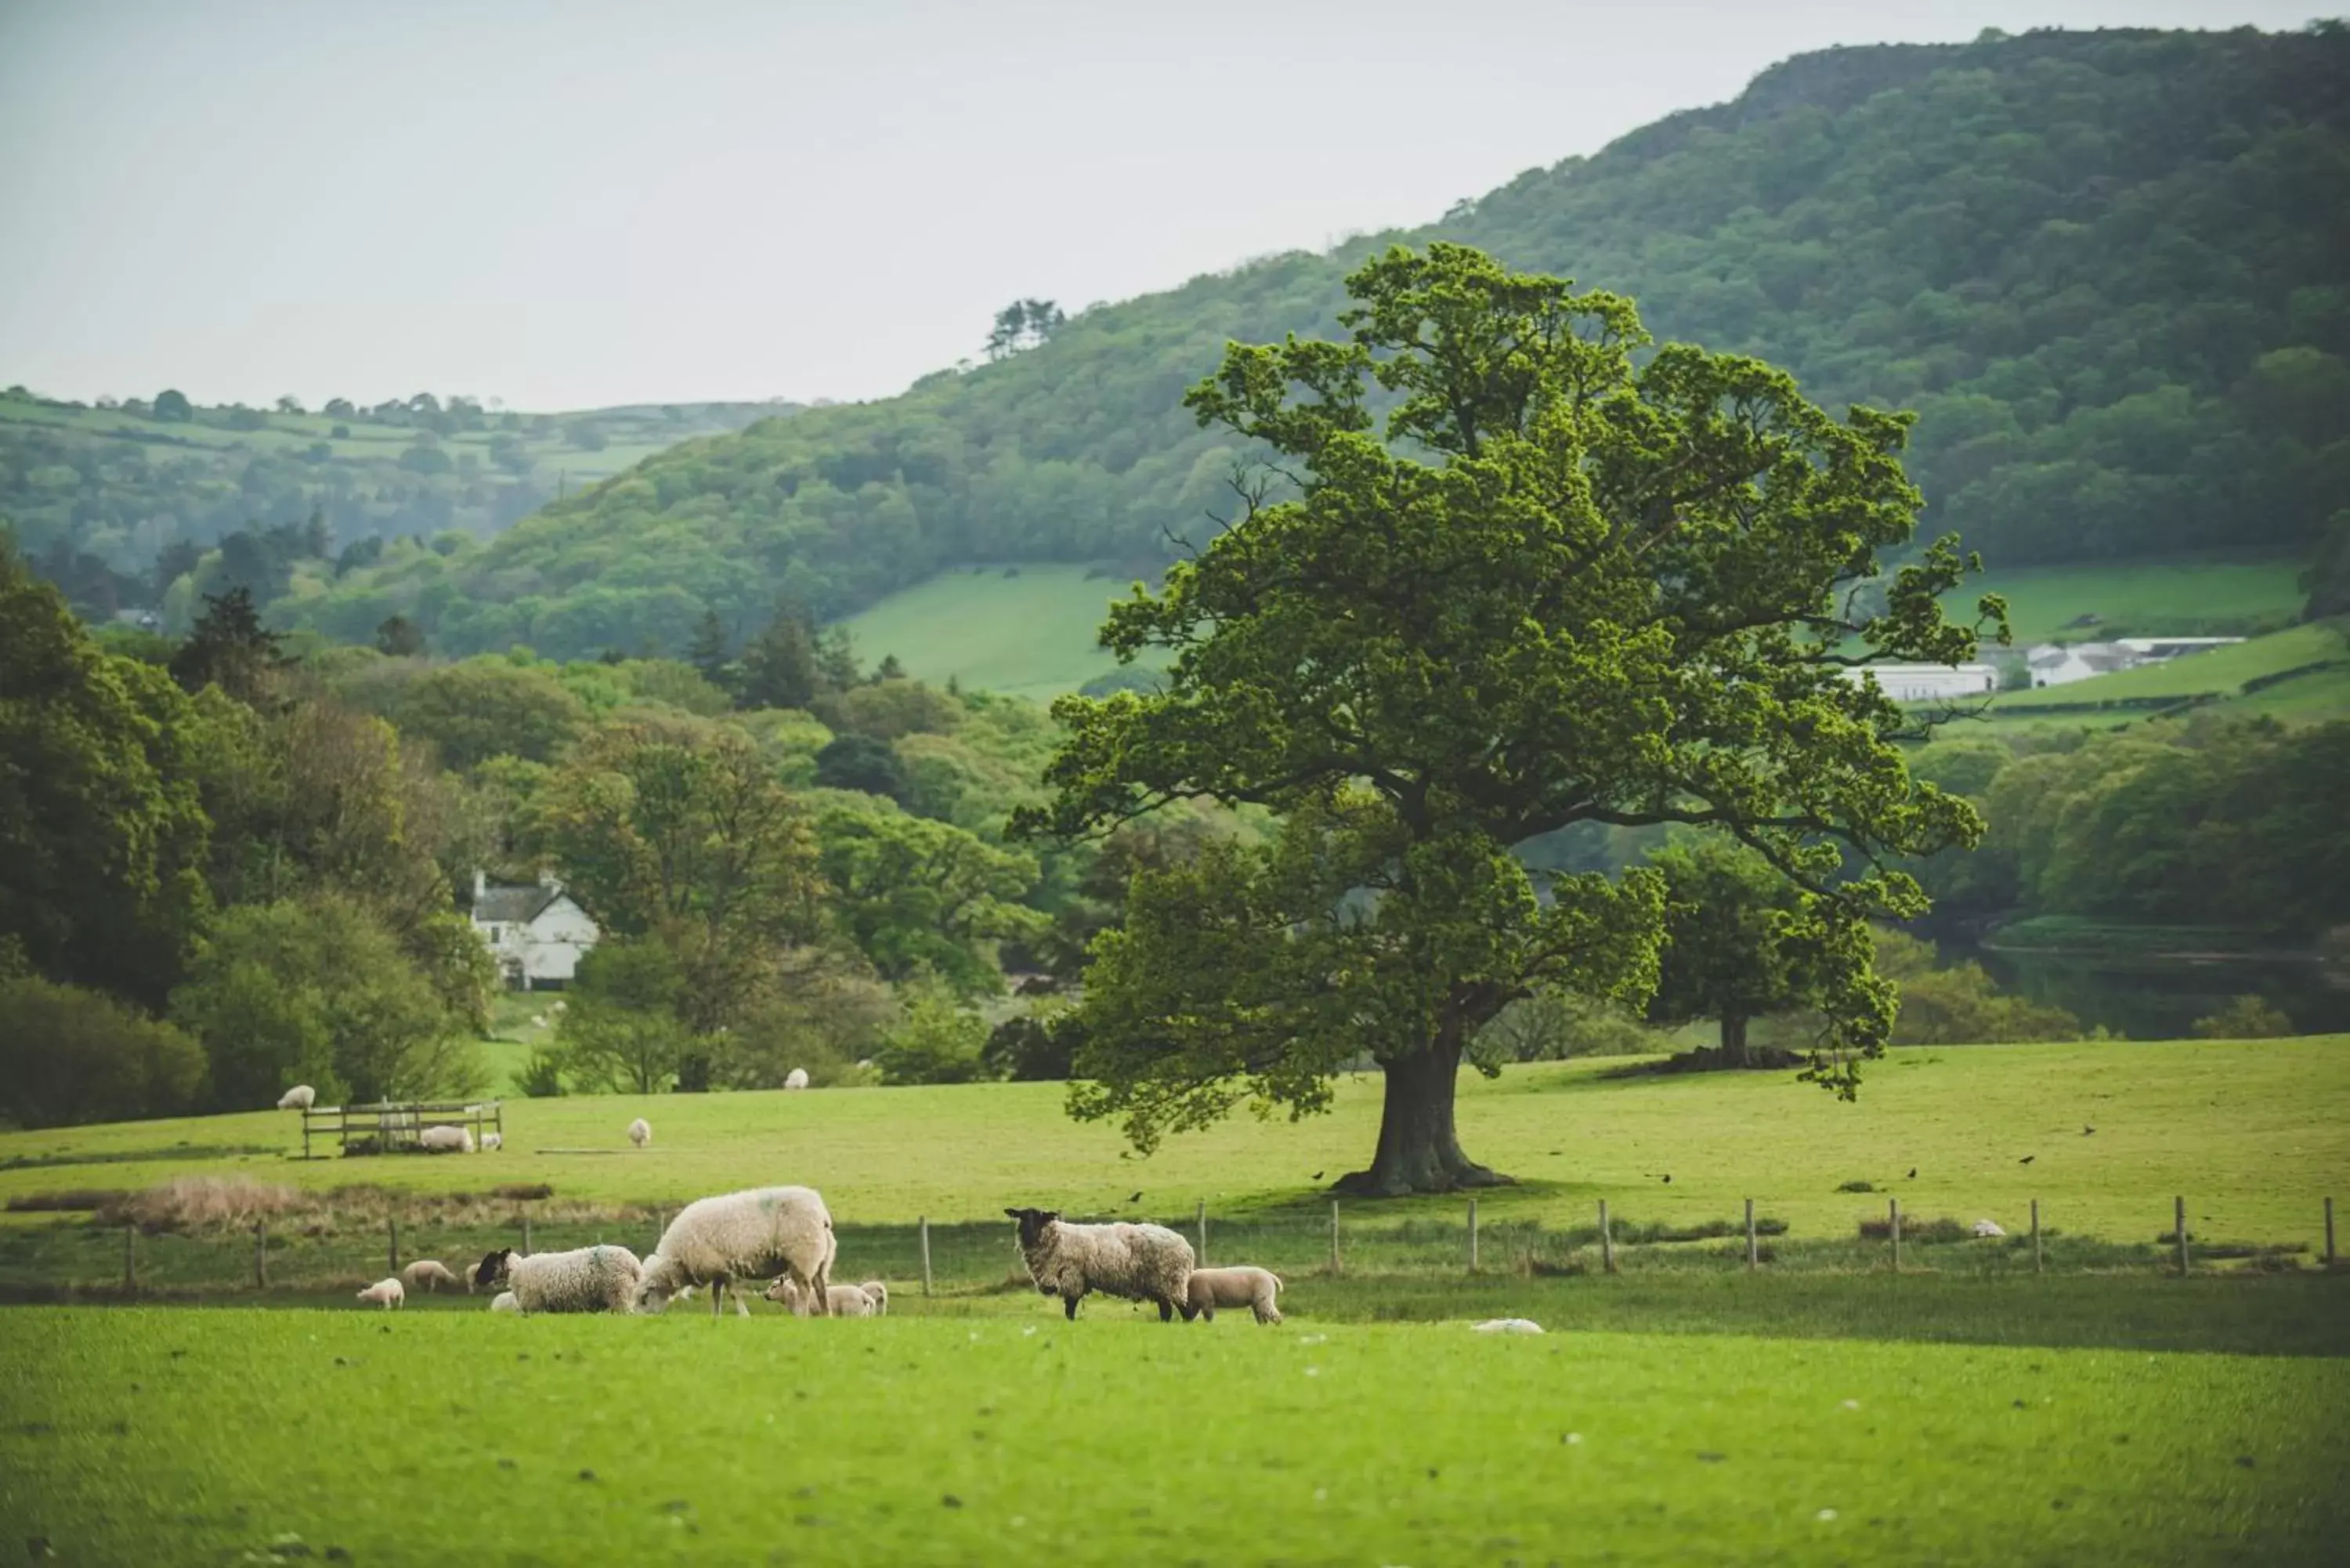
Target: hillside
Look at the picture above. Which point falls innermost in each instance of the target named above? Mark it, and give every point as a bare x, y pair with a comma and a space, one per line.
116, 502
1026, 631
2101, 266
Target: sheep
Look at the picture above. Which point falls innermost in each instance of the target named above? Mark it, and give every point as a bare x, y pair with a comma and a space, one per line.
1208, 1289
641, 1132
797, 1078
300, 1097
492, 1140
1137, 1262
845, 1301
879, 1293
1507, 1326
445, 1140
385, 1294
750, 1235
506, 1300
586, 1279
426, 1275
1988, 1228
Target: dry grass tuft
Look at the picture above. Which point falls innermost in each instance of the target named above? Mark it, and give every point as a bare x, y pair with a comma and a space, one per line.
191, 1203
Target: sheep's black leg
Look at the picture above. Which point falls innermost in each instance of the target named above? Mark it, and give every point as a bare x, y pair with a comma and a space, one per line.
1069, 1307
1189, 1312
1166, 1310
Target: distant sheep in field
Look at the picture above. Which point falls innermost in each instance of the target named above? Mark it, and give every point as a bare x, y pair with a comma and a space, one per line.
385, 1294
845, 1301
1208, 1289
1988, 1228
492, 1140
538, 1021
300, 1097
428, 1275
1137, 1262
751, 1235
797, 1078
586, 1279
445, 1140
1507, 1326
641, 1132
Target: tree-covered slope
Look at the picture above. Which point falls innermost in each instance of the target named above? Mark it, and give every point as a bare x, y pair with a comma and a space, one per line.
2108, 270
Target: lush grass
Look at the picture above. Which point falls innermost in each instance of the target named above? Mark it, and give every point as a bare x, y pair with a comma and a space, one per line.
1031, 634
2254, 1133
157, 1437
2143, 599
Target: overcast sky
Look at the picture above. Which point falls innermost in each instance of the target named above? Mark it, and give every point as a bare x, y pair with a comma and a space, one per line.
568, 204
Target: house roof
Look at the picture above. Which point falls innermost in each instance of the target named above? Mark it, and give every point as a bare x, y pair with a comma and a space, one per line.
521, 903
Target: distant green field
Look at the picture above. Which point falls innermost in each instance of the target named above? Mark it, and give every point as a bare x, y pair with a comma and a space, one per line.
2222, 671
1027, 630
2175, 599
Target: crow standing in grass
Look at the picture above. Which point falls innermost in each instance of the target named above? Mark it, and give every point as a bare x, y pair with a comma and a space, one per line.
2027, 1159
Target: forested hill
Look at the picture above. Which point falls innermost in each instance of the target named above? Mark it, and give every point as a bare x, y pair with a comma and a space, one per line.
2107, 269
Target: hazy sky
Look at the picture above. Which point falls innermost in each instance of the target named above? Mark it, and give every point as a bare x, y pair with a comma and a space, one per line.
570, 205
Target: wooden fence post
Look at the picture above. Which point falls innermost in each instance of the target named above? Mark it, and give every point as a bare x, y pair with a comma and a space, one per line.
394, 1224
926, 1254
1752, 1256
526, 1232
260, 1255
2329, 1232
2179, 1219
2039, 1262
1606, 1241
1204, 1232
131, 1258
1334, 1233
661, 1227
1472, 1235
1893, 1222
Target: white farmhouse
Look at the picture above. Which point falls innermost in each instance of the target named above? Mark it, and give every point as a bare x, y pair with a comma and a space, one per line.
1931, 682
535, 931
2061, 664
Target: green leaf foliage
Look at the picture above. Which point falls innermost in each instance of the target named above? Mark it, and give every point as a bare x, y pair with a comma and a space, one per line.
69, 1056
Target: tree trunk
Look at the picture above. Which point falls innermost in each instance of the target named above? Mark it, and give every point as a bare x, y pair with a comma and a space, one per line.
1733, 1040
1419, 1151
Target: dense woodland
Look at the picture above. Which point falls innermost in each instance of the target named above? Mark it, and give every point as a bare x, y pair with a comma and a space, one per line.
2102, 267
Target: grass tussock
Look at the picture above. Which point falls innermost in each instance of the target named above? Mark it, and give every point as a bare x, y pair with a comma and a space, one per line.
1924, 1232
190, 1204
197, 1205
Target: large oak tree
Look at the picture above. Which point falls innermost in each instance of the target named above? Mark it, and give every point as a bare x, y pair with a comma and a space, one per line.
1516, 575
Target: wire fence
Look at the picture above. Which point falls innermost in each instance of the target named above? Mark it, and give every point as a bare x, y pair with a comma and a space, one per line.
323, 1251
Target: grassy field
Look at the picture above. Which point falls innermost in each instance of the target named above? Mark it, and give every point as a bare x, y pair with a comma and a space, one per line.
1030, 633
152, 1435
2151, 598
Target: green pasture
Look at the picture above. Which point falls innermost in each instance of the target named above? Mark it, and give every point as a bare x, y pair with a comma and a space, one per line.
2140, 599
2222, 671
153, 1435
1030, 633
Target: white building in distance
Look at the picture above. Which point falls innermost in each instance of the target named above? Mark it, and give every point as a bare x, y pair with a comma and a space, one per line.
1931, 682
2061, 664
535, 931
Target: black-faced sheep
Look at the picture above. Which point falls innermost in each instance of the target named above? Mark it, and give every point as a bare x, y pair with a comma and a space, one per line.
1137, 1262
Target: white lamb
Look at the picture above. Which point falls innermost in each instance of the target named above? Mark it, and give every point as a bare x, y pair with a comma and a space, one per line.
847, 1301
445, 1140
300, 1097
879, 1295
1507, 1326
506, 1300
586, 1279
385, 1294
1988, 1228
426, 1275
641, 1132
1138, 1263
751, 1235
797, 1078
492, 1140
1208, 1289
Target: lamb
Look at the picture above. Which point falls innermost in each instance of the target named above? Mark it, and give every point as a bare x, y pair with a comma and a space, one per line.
1507, 1326
1988, 1228
797, 1078
750, 1235
879, 1295
492, 1140
506, 1300
300, 1097
445, 1140
641, 1132
1137, 1262
586, 1279
1208, 1289
845, 1301
426, 1275
385, 1294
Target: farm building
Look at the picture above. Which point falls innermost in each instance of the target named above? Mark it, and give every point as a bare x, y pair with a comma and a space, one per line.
535, 931
1931, 682
2061, 664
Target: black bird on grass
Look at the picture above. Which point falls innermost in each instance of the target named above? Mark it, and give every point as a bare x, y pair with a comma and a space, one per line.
1316, 1177
1134, 1198
1913, 1173
2086, 1129
2027, 1159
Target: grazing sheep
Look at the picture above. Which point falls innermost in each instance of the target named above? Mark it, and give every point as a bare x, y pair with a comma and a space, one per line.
300, 1097
879, 1293
1208, 1289
751, 1235
385, 1294
845, 1301
1137, 1262
586, 1279
1988, 1228
445, 1140
795, 1079
1507, 1326
492, 1140
538, 1021
429, 1276
506, 1300
641, 1132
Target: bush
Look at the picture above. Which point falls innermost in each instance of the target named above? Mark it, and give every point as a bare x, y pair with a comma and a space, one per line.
541, 1075
2247, 1017
826, 1015
69, 1056
1034, 1050
940, 1041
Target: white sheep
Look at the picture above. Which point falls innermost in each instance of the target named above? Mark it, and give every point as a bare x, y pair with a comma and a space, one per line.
426, 1275
641, 1132
1507, 1326
797, 1078
445, 1140
879, 1295
492, 1140
300, 1097
1208, 1289
586, 1279
385, 1294
506, 1300
751, 1235
845, 1301
1137, 1262
1988, 1228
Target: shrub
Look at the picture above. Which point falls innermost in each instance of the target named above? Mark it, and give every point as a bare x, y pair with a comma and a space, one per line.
190, 1203
940, 1041
541, 1075
2247, 1017
69, 1056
